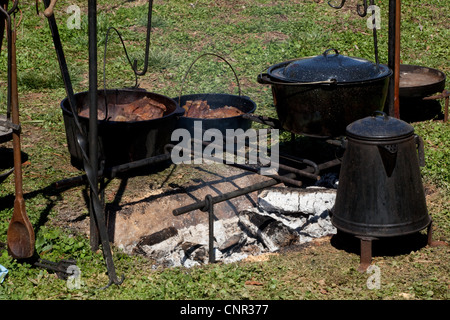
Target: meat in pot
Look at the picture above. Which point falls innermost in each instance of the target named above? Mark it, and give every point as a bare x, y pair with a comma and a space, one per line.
201, 109
139, 110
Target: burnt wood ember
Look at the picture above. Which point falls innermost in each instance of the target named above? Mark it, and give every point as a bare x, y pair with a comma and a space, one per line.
139, 110
250, 230
158, 237
201, 109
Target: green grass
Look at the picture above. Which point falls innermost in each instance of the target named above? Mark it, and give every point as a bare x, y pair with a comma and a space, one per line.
251, 35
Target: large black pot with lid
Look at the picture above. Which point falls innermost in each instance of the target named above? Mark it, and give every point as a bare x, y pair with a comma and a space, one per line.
327, 68
380, 191
321, 95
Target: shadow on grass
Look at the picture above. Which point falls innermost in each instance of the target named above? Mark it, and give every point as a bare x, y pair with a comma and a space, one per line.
386, 246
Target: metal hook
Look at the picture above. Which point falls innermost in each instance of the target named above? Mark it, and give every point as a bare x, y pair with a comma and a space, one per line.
14, 7
336, 7
364, 8
360, 8
147, 42
115, 281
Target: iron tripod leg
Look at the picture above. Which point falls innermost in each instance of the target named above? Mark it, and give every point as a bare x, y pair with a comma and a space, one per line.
366, 253
209, 206
430, 241
366, 247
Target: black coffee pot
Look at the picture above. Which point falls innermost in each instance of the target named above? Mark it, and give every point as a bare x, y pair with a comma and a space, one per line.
380, 192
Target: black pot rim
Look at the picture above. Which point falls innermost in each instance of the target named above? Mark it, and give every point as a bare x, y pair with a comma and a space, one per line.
386, 73
178, 99
178, 111
424, 89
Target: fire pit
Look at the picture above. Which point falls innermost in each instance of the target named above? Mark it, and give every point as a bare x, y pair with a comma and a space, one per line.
253, 224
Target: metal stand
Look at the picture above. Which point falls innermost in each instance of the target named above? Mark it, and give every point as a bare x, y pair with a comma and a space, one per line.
430, 241
208, 205
444, 95
210, 208
98, 221
366, 253
98, 230
393, 104
366, 247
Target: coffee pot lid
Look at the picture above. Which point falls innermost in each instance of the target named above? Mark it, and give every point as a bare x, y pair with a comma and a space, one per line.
379, 126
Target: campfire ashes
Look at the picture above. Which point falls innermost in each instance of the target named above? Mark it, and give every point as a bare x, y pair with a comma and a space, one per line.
281, 217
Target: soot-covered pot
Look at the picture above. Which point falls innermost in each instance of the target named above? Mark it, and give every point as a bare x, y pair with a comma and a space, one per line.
380, 189
321, 95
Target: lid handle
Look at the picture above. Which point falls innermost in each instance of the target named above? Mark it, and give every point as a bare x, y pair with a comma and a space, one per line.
378, 113
336, 52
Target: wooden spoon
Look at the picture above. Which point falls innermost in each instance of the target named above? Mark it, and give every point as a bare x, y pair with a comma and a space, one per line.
20, 234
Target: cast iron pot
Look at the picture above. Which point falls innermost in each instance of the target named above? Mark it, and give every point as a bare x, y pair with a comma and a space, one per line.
218, 100
5, 131
380, 192
122, 142
319, 96
419, 81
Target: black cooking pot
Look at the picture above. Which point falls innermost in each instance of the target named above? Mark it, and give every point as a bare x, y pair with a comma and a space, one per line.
419, 81
319, 96
5, 130
380, 192
121, 142
218, 100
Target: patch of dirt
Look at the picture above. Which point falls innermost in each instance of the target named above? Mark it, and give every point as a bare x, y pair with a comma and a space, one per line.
260, 258
273, 36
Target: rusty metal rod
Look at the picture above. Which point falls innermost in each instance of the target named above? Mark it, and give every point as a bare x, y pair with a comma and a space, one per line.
284, 178
446, 110
303, 173
365, 253
63, 66
391, 57
251, 169
97, 214
210, 208
397, 60
444, 95
91, 163
112, 171
232, 194
313, 167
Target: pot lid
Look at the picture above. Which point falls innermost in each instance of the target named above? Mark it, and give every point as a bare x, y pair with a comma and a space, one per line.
326, 67
379, 126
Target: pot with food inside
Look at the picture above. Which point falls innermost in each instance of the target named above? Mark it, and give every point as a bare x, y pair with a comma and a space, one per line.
132, 124
215, 111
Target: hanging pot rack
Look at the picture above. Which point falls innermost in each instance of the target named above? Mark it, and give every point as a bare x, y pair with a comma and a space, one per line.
393, 47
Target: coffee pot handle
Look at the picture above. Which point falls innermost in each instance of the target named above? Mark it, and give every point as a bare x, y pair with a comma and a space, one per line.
420, 150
